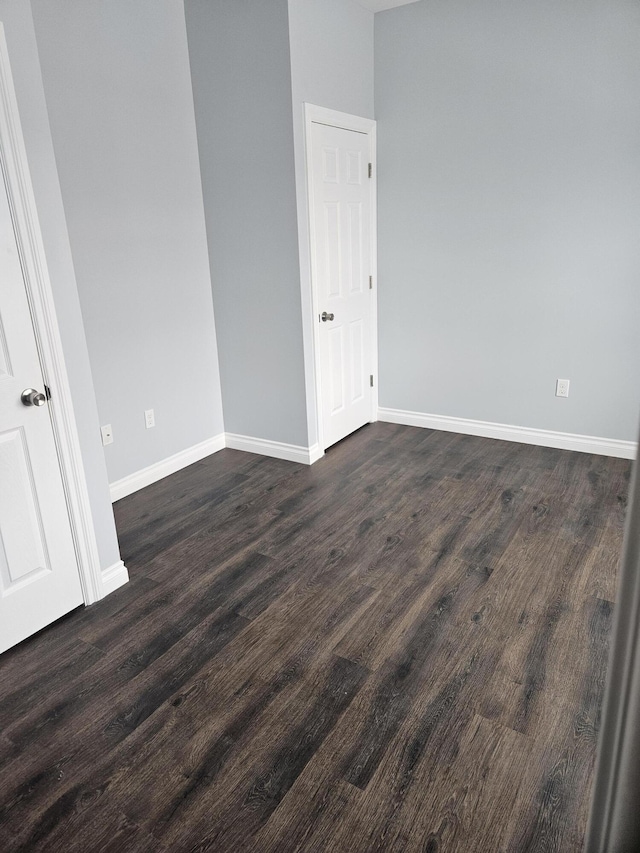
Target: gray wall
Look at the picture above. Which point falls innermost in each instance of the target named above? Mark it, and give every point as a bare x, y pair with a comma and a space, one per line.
509, 211
239, 52
117, 84
331, 56
18, 24
331, 45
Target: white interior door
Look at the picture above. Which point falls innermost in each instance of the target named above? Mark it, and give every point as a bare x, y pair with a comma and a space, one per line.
341, 205
39, 577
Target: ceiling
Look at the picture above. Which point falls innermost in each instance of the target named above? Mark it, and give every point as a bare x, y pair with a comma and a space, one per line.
381, 5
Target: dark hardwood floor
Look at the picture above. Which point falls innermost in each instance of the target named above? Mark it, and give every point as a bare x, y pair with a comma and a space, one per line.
401, 648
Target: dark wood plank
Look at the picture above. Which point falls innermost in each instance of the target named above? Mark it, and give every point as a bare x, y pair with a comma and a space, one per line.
271, 781
402, 647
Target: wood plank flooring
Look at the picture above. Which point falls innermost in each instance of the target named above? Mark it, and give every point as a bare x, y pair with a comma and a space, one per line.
400, 648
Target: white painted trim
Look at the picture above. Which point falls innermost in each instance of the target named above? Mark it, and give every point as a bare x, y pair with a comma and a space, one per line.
24, 213
524, 435
159, 470
334, 118
315, 453
321, 115
374, 270
275, 449
114, 577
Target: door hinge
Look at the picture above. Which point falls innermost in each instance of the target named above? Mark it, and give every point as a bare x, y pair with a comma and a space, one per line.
371, 380
47, 392
370, 282
370, 170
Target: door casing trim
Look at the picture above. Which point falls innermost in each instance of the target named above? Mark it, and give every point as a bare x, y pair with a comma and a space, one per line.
22, 203
321, 115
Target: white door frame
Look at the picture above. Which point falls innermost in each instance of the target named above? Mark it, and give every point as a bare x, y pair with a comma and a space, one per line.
321, 115
13, 160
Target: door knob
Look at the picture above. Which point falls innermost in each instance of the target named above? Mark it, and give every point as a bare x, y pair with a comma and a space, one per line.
31, 397
324, 317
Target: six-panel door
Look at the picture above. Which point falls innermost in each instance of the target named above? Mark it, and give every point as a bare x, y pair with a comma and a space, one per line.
39, 578
341, 199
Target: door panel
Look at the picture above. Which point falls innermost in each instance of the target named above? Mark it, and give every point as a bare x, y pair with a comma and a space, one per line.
341, 203
336, 369
354, 248
22, 554
39, 578
356, 348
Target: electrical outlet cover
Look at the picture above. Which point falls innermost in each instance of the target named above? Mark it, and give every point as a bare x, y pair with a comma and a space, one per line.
107, 434
562, 388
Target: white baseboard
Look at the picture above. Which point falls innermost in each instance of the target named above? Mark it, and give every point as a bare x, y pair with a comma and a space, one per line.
114, 577
291, 452
276, 449
153, 473
315, 453
524, 435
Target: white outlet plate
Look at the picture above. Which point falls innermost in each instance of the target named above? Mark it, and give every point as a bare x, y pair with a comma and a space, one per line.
149, 418
107, 434
562, 388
